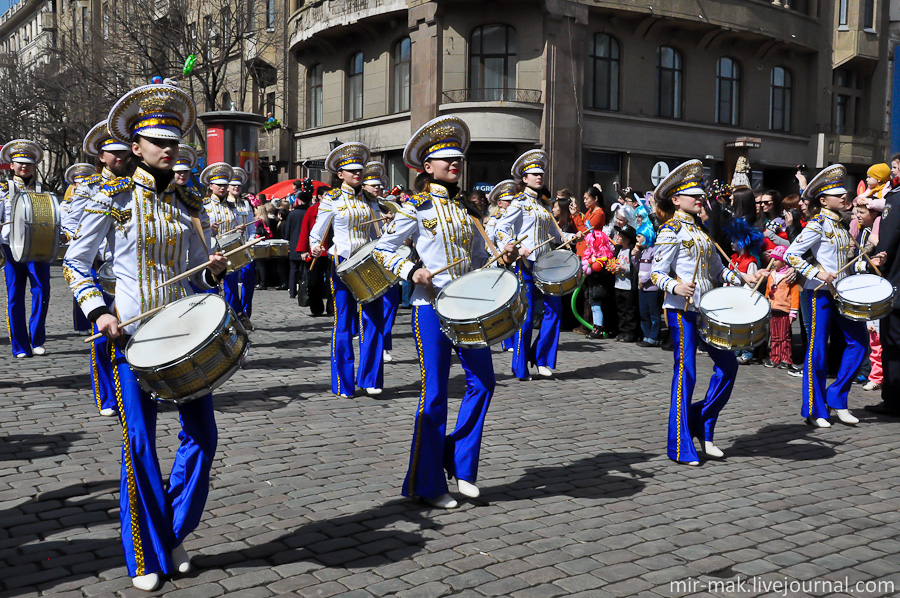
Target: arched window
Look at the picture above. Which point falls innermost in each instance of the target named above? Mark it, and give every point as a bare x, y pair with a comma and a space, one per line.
603, 73
780, 100
728, 92
355, 87
669, 73
400, 62
492, 63
314, 112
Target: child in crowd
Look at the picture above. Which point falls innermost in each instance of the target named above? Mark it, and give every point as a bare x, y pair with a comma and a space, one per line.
598, 264
625, 284
866, 217
649, 302
785, 299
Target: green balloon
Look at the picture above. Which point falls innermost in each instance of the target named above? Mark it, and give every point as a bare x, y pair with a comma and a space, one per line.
189, 65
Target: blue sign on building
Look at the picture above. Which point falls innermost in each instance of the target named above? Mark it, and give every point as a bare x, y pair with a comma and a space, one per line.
485, 187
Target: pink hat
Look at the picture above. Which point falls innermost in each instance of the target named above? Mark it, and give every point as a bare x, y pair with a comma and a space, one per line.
778, 253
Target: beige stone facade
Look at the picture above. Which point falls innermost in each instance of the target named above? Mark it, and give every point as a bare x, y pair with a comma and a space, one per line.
837, 78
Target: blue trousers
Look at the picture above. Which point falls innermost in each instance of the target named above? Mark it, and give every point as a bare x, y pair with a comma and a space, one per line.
370, 373
79, 321
391, 302
822, 315
248, 285
21, 337
686, 419
544, 349
232, 291
651, 316
433, 451
156, 517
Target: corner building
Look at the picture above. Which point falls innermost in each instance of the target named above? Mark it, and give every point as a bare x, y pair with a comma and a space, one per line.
609, 88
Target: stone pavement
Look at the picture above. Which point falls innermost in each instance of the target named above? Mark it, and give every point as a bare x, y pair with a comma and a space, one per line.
578, 497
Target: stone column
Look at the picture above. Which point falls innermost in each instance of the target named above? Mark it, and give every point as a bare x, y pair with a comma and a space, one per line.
563, 95
426, 68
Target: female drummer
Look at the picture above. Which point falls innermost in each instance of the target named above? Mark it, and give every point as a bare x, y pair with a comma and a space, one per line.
245, 217
529, 215
685, 267
75, 175
440, 225
350, 213
223, 217
153, 234
26, 340
830, 245
501, 196
373, 178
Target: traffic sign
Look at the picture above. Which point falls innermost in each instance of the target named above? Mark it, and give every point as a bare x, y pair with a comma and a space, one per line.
659, 172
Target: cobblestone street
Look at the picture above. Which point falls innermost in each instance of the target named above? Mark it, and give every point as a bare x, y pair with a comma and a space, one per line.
578, 497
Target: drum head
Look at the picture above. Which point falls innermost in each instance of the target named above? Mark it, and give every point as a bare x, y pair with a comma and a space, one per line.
105, 272
557, 266
404, 252
734, 305
358, 256
864, 288
476, 294
18, 230
231, 238
168, 336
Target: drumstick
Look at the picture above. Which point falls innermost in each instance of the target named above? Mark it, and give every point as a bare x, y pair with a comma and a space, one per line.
484, 236
847, 265
694, 279
762, 278
196, 269
502, 253
373, 221
447, 267
94, 337
234, 229
868, 259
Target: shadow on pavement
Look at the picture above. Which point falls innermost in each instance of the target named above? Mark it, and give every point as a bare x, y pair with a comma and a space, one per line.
609, 370
27, 447
780, 441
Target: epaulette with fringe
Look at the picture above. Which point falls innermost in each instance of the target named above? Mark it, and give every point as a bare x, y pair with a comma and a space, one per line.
91, 179
189, 198
4, 186
333, 193
820, 218
117, 185
420, 199
673, 224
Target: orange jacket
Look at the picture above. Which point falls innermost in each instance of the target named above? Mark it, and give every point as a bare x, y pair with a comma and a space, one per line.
783, 296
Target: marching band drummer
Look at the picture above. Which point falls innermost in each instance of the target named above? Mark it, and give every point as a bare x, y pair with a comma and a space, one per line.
373, 183
347, 209
501, 195
75, 175
246, 217
26, 340
153, 231
685, 267
439, 222
223, 217
527, 214
184, 165
831, 248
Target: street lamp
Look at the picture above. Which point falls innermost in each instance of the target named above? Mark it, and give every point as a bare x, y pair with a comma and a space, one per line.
335, 144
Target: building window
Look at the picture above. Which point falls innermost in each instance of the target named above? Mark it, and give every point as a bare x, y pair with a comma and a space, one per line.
780, 100
270, 14
842, 13
106, 21
314, 114
492, 63
603, 74
841, 113
355, 87
85, 24
868, 15
728, 92
400, 76
669, 72
270, 103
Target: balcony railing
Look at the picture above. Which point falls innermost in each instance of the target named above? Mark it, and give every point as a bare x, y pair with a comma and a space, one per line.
856, 132
526, 96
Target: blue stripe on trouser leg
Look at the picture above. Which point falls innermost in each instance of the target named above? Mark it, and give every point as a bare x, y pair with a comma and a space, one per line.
507, 344
248, 285
547, 343
189, 479
16, 274
342, 380
39, 278
370, 373
101, 373
704, 415
522, 339
463, 445
425, 477
232, 292
856, 337
391, 301
155, 520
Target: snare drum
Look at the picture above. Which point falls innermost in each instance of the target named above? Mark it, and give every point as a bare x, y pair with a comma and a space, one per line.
107, 279
482, 308
260, 251
180, 359
734, 318
230, 242
558, 272
35, 230
864, 297
364, 275
278, 248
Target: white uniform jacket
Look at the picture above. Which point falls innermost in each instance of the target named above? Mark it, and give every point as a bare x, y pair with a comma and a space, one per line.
346, 211
680, 244
830, 245
527, 215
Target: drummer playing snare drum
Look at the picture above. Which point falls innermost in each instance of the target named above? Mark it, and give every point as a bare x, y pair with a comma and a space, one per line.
831, 247
439, 223
154, 233
685, 266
